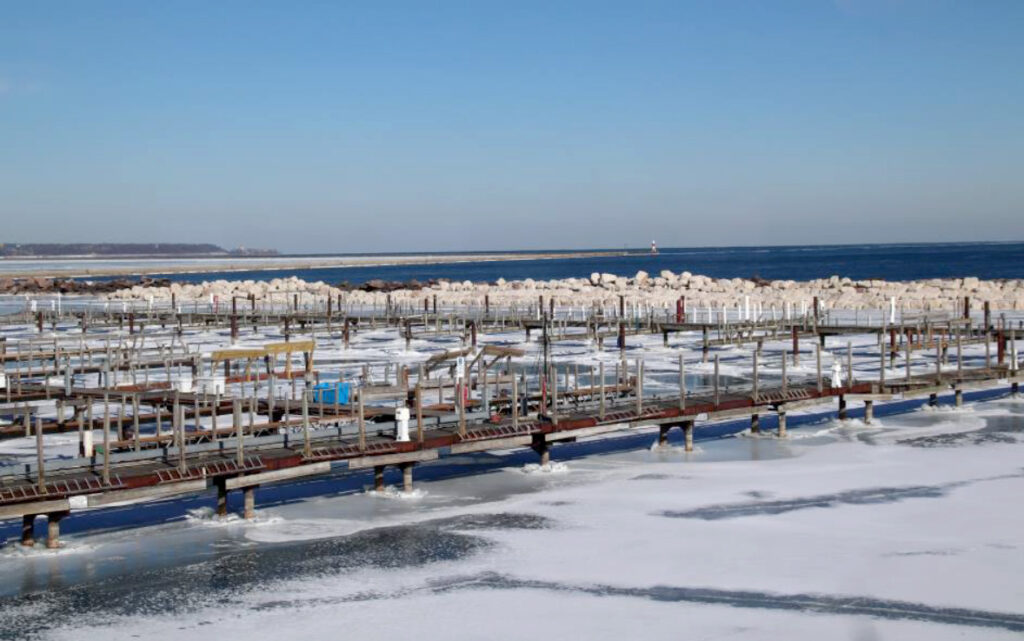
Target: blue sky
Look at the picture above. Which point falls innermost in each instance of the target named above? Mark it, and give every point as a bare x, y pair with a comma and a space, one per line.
386, 126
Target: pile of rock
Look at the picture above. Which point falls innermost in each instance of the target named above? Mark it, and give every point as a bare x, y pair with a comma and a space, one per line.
605, 289
226, 289
40, 285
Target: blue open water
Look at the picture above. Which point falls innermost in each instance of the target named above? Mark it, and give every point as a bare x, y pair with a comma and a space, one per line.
889, 262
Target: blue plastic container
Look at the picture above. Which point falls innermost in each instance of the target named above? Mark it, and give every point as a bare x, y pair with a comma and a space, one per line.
328, 392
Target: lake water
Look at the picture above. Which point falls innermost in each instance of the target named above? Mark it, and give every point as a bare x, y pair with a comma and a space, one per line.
889, 262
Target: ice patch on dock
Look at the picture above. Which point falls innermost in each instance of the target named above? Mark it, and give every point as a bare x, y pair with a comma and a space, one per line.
764, 433
305, 530
207, 516
394, 493
858, 423
551, 468
947, 409
12, 549
673, 449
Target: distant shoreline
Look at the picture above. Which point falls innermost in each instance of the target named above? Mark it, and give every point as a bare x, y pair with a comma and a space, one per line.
265, 264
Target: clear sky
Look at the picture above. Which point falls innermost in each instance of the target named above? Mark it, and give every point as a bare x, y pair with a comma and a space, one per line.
387, 126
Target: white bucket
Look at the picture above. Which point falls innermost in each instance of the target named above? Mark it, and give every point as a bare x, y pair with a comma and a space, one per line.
183, 384
211, 385
402, 424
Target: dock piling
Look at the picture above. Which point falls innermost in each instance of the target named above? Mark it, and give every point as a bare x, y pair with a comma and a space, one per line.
407, 476
249, 503
28, 527
53, 529
663, 435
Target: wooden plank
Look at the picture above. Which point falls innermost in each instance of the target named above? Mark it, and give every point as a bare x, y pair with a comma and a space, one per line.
147, 493
289, 347
277, 475
553, 437
873, 397
229, 354
392, 459
492, 444
15, 510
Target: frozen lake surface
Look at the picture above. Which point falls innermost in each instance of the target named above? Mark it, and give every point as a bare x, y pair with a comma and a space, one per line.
905, 529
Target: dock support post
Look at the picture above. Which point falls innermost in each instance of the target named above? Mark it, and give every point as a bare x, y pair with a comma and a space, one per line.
907, 345
1015, 389
419, 407
639, 387
933, 400
782, 423
407, 476
958, 398
106, 436
362, 423
755, 423
688, 435
842, 408
378, 478
869, 412
40, 460
307, 450
249, 510
663, 435
716, 381
222, 498
796, 347
28, 530
236, 419
53, 529
515, 396
682, 384
754, 395
541, 447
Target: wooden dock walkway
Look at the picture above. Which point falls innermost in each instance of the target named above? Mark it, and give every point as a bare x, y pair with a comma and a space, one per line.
154, 445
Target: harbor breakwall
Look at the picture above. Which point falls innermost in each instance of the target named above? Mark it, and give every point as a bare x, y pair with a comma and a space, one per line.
662, 290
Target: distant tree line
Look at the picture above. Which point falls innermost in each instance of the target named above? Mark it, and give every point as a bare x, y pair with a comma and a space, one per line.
9, 250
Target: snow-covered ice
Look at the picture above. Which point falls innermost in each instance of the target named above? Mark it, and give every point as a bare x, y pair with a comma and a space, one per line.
902, 530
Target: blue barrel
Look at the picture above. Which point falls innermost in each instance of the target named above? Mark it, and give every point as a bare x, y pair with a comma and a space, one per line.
328, 392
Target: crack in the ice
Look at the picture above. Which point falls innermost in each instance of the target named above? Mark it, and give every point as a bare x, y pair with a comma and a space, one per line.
863, 496
811, 603
868, 496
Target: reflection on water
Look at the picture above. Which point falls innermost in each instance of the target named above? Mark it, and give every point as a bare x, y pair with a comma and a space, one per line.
225, 576
997, 429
